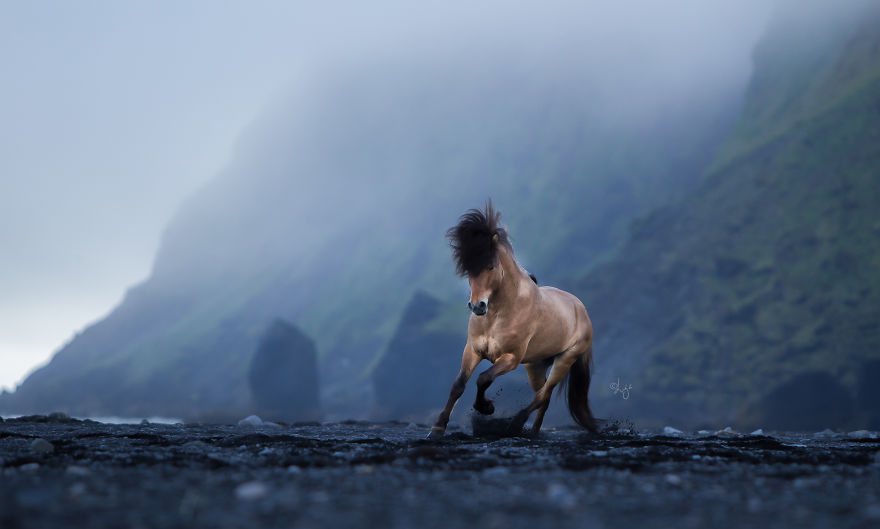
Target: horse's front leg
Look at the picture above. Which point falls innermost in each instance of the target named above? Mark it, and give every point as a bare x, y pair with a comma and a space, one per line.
469, 361
505, 364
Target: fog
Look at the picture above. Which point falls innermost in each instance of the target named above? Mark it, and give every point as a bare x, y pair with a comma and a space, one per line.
112, 115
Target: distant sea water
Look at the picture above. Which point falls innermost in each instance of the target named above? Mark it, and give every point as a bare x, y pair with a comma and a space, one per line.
120, 420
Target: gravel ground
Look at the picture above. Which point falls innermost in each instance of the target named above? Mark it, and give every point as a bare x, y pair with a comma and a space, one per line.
62, 472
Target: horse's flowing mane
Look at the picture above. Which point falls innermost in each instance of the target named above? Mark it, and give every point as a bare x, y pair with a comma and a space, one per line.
471, 240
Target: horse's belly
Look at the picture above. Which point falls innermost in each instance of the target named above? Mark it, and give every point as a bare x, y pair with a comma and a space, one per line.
545, 345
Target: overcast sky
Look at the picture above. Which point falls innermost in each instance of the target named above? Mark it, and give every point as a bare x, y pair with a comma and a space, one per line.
112, 112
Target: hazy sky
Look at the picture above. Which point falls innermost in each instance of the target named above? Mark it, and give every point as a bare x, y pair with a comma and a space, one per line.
112, 112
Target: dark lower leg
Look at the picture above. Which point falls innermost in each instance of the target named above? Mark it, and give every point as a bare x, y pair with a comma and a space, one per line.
443, 419
503, 365
539, 418
482, 404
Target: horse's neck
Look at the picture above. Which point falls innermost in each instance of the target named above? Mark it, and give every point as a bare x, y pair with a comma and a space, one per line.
513, 273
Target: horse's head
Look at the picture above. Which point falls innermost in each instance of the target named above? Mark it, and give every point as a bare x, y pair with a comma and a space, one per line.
475, 242
482, 286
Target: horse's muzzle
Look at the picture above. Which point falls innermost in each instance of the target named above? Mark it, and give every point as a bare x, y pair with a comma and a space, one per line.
479, 309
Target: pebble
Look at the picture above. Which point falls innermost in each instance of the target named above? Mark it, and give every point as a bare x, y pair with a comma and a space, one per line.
78, 470
77, 489
195, 447
251, 420
753, 505
293, 469
759, 431
252, 490
560, 494
727, 431
673, 479
29, 467
669, 430
496, 471
42, 446
824, 434
862, 434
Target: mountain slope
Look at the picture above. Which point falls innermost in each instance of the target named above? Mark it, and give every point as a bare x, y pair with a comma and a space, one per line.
723, 307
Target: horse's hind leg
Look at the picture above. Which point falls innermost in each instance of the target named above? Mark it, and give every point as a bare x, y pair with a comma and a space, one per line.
504, 364
537, 372
541, 401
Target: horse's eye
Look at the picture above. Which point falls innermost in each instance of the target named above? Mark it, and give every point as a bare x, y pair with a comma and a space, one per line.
492, 267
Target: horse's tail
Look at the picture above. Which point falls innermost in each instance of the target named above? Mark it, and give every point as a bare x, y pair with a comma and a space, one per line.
578, 389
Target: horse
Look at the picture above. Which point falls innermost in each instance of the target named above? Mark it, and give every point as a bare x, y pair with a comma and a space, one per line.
514, 321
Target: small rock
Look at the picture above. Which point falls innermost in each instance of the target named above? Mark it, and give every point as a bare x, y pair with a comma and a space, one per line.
496, 471
77, 489
727, 431
251, 420
559, 494
266, 451
824, 434
669, 430
77, 470
363, 469
862, 434
673, 479
29, 467
195, 447
42, 446
704, 432
599, 453
319, 496
252, 490
753, 505
293, 469
759, 431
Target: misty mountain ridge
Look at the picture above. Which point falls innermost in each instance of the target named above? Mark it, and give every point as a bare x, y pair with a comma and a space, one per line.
332, 212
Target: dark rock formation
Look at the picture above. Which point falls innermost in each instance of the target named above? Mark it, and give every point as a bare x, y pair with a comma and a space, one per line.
414, 374
868, 394
283, 374
810, 401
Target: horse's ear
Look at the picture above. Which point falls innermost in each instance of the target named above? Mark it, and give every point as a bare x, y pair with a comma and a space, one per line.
495, 238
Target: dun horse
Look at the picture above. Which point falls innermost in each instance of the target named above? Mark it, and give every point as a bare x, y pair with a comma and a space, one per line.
513, 322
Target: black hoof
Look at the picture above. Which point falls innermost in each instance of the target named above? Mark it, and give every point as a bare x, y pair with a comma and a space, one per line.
485, 407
